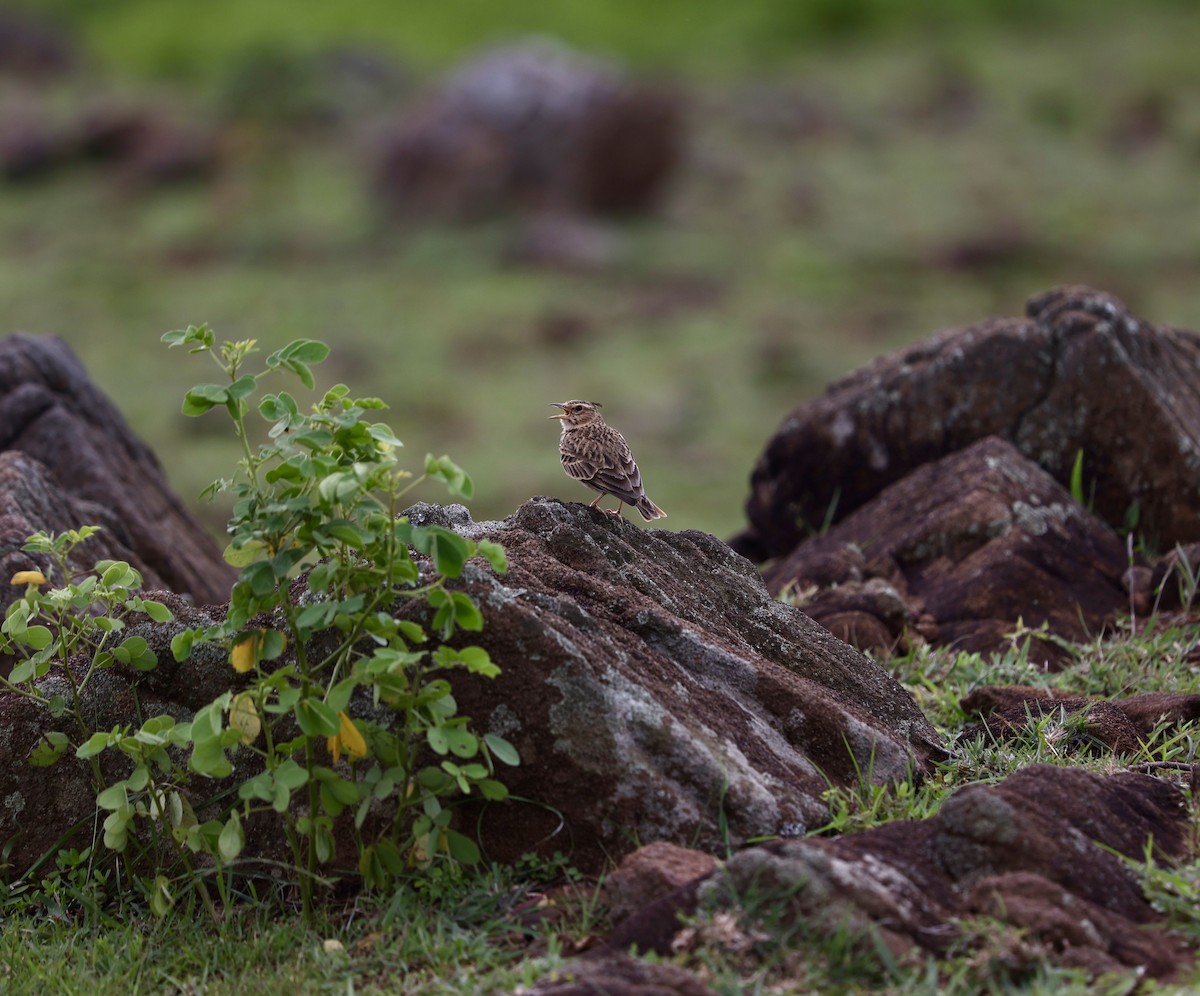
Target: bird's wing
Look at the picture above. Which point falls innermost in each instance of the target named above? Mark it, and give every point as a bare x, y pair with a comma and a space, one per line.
579, 466
620, 478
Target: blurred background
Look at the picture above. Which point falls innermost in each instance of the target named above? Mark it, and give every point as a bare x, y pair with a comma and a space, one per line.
697, 212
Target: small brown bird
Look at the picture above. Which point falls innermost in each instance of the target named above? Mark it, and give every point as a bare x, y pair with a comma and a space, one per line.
597, 455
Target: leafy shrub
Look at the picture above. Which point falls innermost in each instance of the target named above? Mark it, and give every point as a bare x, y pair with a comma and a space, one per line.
344, 704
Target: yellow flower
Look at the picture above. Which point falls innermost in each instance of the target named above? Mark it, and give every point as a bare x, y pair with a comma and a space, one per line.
28, 577
348, 739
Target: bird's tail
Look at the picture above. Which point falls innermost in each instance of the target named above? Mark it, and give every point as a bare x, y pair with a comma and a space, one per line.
648, 509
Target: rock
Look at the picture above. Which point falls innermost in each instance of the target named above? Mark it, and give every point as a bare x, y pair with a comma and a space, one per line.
1119, 724
147, 146
31, 145
651, 872
1034, 852
93, 470
619, 975
1173, 578
959, 550
35, 47
1079, 374
656, 691
533, 124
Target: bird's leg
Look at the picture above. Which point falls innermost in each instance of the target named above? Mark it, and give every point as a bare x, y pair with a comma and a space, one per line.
617, 513
596, 500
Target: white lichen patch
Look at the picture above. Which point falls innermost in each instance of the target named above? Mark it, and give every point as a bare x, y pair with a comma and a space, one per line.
1037, 521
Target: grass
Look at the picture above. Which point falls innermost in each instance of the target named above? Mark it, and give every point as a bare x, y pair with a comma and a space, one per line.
942, 184
495, 929
853, 184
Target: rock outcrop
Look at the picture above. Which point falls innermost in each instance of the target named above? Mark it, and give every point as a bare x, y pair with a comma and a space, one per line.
533, 125
653, 687
1078, 374
91, 470
656, 691
955, 553
1039, 853
1120, 725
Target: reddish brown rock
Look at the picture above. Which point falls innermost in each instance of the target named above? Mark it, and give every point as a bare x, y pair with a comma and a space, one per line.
960, 550
656, 691
619, 975
533, 125
146, 145
651, 872
1118, 724
1078, 374
97, 472
1038, 852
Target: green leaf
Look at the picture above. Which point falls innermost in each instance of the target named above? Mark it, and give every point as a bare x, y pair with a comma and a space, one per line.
493, 790
437, 739
494, 554
202, 397
282, 798
232, 839
303, 351
208, 758
502, 750
260, 578
462, 849
478, 661
130, 650
201, 335
449, 551
462, 742
316, 718
118, 574
273, 645
449, 473
94, 744
339, 695
181, 644
243, 554
37, 637
21, 672
155, 610
113, 797
291, 774
466, 612
161, 900
49, 748
242, 387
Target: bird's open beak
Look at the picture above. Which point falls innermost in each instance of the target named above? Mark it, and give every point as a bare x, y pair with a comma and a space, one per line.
558, 404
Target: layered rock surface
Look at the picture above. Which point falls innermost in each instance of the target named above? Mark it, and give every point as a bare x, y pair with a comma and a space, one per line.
989, 477
1039, 854
1078, 374
93, 471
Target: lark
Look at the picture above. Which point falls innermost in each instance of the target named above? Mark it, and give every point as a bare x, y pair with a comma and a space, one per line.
595, 454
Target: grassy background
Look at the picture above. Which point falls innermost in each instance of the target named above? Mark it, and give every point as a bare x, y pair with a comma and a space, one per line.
857, 179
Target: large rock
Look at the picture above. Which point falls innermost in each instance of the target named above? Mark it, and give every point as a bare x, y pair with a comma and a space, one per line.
533, 125
93, 471
656, 691
1079, 373
654, 688
960, 550
1040, 854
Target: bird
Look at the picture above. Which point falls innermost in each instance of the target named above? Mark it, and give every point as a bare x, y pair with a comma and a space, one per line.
596, 455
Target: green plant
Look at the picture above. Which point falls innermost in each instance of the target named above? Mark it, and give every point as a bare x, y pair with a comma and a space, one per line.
333, 664
82, 619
